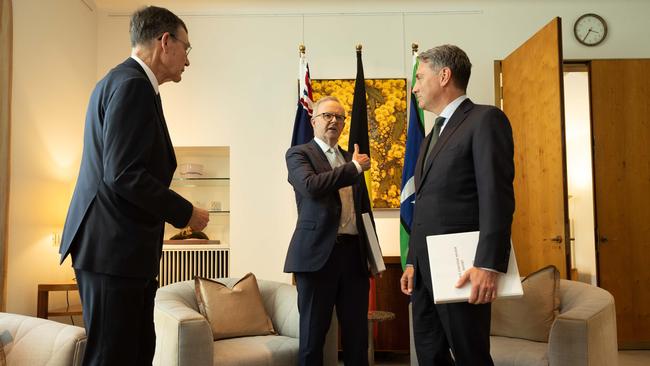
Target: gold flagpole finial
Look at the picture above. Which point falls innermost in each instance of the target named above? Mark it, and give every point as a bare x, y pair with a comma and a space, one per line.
359, 47
302, 49
414, 47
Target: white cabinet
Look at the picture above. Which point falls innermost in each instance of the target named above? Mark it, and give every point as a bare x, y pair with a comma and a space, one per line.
203, 178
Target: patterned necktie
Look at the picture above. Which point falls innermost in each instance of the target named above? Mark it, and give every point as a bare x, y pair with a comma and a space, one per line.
434, 138
333, 158
347, 224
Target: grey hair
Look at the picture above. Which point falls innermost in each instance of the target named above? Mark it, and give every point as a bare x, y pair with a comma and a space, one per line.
151, 22
328, 98
452, 57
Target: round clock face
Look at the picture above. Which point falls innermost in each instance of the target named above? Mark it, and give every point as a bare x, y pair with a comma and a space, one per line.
590, 29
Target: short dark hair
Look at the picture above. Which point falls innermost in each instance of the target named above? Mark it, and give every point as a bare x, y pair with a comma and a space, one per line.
151, 22
452, 57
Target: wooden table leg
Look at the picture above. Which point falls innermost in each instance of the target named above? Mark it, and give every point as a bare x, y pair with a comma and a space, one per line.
42, 300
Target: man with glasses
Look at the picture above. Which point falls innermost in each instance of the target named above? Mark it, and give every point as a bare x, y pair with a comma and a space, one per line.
114, 227
327, 252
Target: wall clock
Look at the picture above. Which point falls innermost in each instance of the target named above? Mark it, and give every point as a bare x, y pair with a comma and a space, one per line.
590, 29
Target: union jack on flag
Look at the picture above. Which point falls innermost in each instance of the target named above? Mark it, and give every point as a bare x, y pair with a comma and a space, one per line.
303, 132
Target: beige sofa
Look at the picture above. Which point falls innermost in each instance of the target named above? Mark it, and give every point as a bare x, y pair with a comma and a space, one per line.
184, 337
583, 334
39, 342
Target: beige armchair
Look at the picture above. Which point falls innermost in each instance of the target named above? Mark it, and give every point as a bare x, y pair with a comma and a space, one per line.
584, 333
40, 342
184, 338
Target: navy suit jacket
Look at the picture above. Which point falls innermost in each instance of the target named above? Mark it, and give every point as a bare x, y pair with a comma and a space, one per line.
466, 185
122, 199
316, 187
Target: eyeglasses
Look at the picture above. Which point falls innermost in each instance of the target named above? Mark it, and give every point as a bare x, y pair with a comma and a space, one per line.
328, 117
187, 46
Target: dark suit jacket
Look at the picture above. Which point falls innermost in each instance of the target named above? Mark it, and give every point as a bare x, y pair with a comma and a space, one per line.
316, 186
466, 186
122, 198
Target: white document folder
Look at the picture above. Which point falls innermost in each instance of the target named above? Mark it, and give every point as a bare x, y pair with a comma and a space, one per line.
375, 258
450, 255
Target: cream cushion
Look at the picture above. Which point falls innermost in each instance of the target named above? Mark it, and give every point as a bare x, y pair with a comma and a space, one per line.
236, 312
531, 316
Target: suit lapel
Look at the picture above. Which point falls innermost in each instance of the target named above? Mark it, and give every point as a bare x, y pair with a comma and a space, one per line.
454, 122
318, 157
130, 62
418, 164
346, 155
163, 125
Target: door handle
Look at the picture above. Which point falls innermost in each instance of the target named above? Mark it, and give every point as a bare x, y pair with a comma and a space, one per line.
557, 239
603, 239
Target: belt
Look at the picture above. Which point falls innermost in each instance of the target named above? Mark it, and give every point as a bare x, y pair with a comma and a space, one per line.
342, 238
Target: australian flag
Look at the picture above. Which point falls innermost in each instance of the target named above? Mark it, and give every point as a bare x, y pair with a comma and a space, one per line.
303, 132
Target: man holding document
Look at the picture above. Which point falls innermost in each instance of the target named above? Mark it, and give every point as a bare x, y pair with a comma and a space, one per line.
463, 183
328, 250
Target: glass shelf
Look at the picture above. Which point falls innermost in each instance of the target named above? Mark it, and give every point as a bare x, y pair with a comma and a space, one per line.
209, 190
199, 178
200, 182
191, 242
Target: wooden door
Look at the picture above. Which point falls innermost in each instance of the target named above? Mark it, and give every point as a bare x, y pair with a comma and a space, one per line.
621, 131
532, 98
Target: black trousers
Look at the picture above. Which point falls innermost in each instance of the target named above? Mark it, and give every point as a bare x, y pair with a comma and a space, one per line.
118, 317
343, 283
462, 327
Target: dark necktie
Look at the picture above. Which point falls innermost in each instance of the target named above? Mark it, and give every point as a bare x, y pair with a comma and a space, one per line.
434, 138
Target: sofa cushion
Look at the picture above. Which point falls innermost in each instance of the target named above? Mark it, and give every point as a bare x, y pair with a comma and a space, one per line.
256, 351
235, 312
518, 352
530, 316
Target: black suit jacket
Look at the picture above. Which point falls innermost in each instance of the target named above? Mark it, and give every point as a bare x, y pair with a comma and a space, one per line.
316, 187
122, 198
466, 185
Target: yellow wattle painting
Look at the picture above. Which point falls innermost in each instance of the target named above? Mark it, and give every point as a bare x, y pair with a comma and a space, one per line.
386, 100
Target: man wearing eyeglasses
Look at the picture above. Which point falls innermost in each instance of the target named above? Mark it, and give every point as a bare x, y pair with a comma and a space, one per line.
327, 252
114, 227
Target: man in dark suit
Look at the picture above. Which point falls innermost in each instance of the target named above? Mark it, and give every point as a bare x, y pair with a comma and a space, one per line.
114, 228
328, 252
463, 182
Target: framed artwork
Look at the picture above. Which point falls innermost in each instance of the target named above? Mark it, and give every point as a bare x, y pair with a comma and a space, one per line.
386, 101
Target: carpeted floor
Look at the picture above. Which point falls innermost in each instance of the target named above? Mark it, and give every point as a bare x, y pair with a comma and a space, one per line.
625, 358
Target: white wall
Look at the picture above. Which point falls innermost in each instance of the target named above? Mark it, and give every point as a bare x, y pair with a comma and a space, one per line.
579, 174
54, 72
240, 90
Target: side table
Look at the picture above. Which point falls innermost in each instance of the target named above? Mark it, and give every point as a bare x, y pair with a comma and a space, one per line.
375, 316
42, 300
